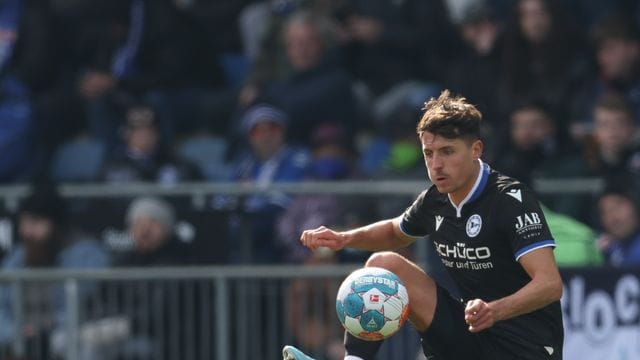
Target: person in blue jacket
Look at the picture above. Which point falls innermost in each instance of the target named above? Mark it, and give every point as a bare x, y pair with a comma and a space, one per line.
269, 160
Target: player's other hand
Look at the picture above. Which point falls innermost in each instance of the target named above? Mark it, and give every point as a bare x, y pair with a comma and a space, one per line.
322, 236
479, 315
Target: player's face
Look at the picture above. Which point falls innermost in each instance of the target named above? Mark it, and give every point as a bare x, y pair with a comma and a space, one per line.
452, 164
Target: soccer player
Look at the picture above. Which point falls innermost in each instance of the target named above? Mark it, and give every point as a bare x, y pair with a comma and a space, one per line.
490, 233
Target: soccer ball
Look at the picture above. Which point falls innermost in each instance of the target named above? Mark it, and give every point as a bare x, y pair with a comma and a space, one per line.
372, 303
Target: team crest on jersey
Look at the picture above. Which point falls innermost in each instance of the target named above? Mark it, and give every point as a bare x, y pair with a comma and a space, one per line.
474, 224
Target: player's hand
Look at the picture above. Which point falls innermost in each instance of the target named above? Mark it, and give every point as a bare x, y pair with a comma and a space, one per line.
322, 236
479, 315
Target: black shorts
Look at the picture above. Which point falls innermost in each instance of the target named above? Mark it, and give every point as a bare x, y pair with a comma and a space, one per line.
448, 337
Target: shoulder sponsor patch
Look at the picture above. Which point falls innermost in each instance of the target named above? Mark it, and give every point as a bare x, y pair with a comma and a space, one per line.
529, 225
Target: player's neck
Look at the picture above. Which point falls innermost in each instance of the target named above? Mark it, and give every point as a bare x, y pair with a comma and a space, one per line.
460, 194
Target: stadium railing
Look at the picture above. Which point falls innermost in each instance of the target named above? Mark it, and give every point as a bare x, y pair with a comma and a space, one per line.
11, 194
227, 312
214, 312
249, 312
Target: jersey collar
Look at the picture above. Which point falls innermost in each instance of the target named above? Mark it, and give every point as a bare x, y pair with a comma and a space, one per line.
476, 190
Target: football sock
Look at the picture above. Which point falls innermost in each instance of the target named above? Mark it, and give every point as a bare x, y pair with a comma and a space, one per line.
358, 349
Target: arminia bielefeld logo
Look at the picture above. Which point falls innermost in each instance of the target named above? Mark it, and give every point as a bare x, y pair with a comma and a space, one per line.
474, 224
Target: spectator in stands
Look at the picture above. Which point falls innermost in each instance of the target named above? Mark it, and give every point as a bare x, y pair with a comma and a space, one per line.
150, 222
141, 50
318, 88
394, 51
620, 218
332, 160
261, 25
27, 70
535, 145
387, 43
543, 57
537, 149
270, 160
614, 148
617, 42
143, 156
47, 240
395, 154
315, 86
219, 20
476, 70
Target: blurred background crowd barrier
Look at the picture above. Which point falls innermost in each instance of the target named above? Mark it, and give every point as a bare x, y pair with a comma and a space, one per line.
242, 310
248, 312
153, 134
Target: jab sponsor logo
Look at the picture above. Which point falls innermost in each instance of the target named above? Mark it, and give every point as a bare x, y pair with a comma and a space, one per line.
527, 220
529, 225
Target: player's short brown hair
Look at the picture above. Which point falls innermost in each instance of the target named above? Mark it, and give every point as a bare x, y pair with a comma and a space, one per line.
451, 117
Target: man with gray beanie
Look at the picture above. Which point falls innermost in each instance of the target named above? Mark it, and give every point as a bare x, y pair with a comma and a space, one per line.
150, 222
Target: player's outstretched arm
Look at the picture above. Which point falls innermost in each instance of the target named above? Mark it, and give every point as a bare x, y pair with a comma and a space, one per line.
382, 235
544, 288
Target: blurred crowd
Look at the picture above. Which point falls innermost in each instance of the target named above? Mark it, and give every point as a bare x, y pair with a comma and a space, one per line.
171, 91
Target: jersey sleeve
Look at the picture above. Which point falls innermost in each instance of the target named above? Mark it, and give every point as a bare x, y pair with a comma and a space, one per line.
523, 221
413, 221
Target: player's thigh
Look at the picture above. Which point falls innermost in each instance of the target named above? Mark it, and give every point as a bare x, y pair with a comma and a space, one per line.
420, 286
448, 337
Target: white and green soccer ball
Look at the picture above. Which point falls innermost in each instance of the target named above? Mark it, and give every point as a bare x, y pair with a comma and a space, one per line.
372, 303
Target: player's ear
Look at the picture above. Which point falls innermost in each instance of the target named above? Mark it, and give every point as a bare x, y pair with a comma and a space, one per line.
476, 148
